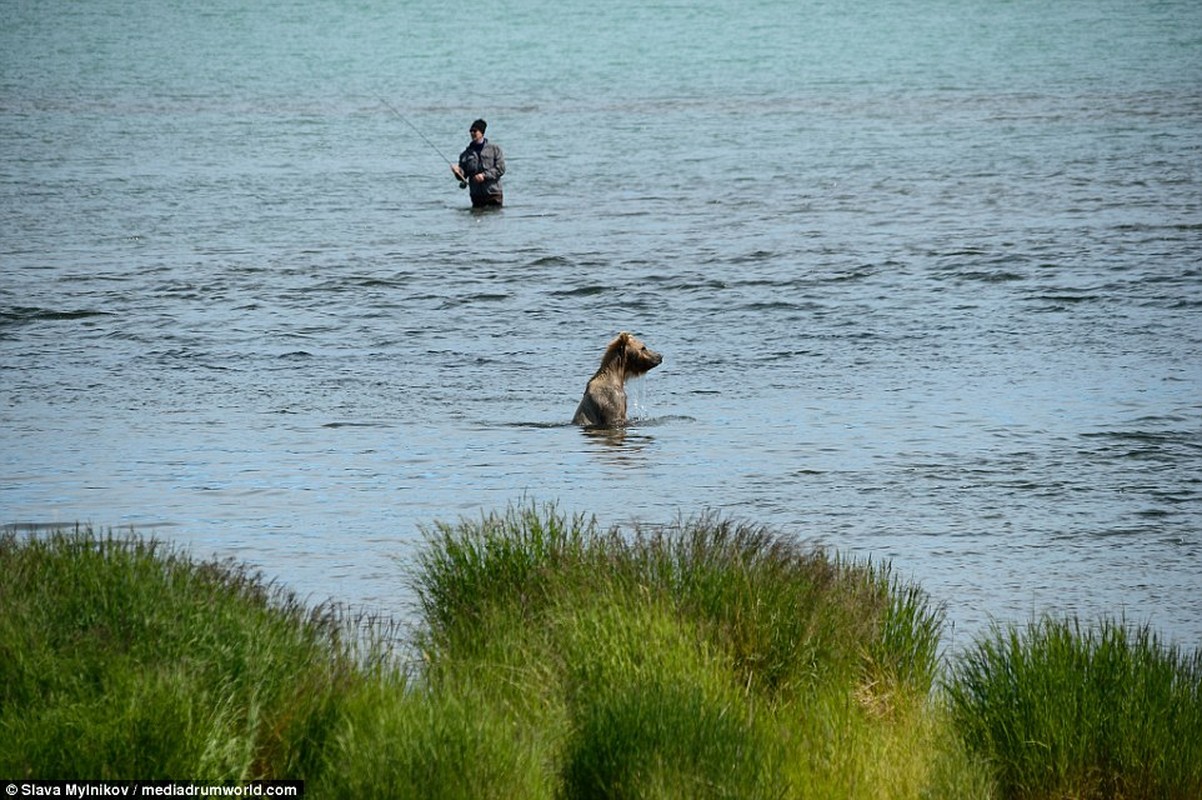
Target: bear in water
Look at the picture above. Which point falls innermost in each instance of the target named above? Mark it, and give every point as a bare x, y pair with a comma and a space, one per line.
604, 401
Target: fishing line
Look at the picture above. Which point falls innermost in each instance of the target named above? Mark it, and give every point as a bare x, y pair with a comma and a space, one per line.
405, 120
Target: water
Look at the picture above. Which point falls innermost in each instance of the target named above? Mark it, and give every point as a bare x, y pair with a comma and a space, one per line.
926, 277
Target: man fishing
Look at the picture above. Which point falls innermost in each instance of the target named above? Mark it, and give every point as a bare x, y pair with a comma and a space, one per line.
481, 166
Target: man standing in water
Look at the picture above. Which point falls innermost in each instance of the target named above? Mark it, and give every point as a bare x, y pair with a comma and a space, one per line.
481, 166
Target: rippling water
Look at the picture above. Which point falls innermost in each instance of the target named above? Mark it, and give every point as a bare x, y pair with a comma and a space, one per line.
927, 282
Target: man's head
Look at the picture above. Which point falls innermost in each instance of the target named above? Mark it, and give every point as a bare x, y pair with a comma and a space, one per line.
477, 130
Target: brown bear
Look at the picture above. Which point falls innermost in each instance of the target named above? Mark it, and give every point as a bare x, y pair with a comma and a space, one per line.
604, 401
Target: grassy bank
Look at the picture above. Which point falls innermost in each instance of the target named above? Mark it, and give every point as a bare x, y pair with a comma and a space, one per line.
122, 658
555, 659
704, 659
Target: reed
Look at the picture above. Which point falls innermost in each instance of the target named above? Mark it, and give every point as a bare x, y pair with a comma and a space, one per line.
1061, 710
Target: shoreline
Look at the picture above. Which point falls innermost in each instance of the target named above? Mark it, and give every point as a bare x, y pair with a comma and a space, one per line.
557, 658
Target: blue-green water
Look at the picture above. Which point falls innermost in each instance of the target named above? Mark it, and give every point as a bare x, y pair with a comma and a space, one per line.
926, 277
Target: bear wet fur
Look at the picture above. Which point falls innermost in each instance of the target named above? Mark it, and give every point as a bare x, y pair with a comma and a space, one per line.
604, 401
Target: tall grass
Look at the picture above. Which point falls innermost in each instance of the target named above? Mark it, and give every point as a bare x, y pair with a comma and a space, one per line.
501, 561
787, 615
123, 658
1065, 711
556, 659
399, 743
706, 658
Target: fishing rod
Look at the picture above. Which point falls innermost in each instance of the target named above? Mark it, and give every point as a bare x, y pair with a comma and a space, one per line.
404, 119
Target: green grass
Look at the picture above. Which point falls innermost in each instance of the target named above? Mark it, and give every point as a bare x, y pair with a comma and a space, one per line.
787, 617
1062, 711
402, 744
552, 658
701, 659
121, 658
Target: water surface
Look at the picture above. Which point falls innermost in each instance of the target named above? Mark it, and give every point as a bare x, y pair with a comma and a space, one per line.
926, 277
